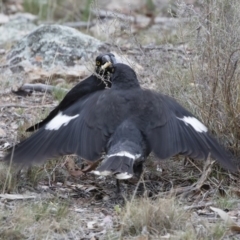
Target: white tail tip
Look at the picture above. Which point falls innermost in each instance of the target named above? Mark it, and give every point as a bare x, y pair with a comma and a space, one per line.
118, 175
123, 175
104, 173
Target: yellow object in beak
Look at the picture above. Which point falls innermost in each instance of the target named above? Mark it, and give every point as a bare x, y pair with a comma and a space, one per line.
106, 65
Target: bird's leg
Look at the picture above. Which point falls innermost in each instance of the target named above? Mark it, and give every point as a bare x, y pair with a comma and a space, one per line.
117, 197
118, 192
138, 170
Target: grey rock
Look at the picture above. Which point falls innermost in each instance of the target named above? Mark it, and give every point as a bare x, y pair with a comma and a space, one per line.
53, 49
17, 27
3, 18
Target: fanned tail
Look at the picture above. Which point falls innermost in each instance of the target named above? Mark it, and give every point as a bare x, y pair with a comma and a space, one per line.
120, 166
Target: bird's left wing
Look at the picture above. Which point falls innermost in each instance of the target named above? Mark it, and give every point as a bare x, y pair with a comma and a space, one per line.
180, 132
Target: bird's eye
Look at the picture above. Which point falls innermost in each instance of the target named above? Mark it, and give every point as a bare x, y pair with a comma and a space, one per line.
98, 63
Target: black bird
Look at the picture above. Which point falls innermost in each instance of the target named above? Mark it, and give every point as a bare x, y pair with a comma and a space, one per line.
125, 121
89, 85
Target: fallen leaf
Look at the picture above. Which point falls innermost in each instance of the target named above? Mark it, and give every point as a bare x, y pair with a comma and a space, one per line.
107, 221
235, 229
91, 166
142, 238
91, 224
72, 168
167, 236
14, 125
224, 216
79, 210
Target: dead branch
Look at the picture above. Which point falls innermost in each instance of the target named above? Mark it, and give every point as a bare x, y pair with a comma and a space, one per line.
40, 87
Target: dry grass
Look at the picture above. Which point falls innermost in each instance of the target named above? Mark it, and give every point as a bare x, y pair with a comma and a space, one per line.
155, 217
39, 219
166, 218
8, 179
228, 202
18, 181
208, 83
218, 46
141, 218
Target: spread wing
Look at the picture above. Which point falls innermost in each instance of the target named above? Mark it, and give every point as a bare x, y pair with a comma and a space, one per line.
180, 132
82, 129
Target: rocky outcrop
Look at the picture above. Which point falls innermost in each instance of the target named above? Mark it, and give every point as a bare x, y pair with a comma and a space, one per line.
53, 50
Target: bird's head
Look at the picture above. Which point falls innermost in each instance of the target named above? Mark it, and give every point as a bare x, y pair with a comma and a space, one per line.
122, 75
104, 63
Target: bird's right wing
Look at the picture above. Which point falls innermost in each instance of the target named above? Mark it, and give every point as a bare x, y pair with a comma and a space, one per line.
81, 129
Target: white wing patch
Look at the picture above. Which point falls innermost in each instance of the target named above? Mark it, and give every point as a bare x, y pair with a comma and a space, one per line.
195, 123
59, 120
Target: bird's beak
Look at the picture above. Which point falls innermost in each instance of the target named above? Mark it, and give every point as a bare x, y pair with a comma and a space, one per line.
106, 65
